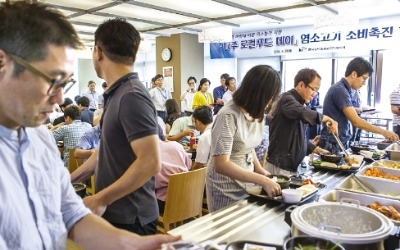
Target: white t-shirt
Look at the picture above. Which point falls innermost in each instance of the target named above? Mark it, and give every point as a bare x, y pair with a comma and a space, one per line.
187, 102
204, 145
227, 96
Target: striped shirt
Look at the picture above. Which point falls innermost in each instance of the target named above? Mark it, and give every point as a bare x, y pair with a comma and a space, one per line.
395, 100
234, 135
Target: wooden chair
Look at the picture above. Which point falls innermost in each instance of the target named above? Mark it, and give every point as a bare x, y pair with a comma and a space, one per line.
90, 188
73, 164
184, 199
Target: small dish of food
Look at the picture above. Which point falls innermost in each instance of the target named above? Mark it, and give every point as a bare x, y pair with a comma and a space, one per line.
331, 158
282, 180
253, 189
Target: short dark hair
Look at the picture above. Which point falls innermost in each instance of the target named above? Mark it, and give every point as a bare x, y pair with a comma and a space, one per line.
73, 112
26, 30
224, 75
83, 101
260, 86
77, 97
67, 101
204, 114
158, 76
202, 81
192, 78
227, 80
119, 40
305, 75
90, 82
360, 66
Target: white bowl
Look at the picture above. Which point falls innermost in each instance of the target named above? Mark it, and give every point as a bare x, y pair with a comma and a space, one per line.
291, 195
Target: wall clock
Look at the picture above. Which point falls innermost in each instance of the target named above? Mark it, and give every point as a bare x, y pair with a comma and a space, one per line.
166, 54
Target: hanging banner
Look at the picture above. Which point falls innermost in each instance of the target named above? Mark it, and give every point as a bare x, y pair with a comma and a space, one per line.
372, 34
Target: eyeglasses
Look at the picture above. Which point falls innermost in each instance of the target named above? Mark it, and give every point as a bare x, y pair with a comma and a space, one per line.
364, 78
313, 89
55, 84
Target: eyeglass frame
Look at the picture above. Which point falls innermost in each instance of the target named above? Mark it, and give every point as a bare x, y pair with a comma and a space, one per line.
315, 91
53, 81
364, 77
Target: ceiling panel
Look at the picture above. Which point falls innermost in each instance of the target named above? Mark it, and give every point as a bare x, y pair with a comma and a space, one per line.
264, 5
148, 14
206, 8
160, 17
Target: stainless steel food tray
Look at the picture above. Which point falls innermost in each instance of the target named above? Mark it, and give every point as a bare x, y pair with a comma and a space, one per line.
381, 188
364, 199
393, 152
386, 164
387, 171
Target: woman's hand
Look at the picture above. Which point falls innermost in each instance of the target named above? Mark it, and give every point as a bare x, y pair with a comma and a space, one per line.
271, 187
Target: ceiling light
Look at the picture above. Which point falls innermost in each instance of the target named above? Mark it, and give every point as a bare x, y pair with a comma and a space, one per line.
216, 35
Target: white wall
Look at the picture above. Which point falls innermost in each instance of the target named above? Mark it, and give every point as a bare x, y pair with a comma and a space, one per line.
86, 73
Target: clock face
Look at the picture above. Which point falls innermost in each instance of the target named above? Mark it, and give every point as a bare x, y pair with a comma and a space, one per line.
166, 54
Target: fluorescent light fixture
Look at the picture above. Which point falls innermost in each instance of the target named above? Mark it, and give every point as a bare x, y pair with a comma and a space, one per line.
216, 35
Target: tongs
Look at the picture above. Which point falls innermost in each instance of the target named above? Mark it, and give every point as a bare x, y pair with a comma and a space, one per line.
340, 145
347, 156
362, 184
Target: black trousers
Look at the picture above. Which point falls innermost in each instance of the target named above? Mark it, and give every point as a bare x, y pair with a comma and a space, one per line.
396, 129
148, 229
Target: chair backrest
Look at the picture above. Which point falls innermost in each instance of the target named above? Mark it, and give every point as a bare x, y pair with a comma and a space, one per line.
73, 163
184, 197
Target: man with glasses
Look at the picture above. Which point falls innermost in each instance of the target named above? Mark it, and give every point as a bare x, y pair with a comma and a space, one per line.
187, 96
288, 122
338, 105
39, 207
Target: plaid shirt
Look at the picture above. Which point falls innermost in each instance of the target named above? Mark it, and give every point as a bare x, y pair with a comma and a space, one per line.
70, 134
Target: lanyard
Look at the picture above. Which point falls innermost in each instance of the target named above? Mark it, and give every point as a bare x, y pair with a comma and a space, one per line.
164, 95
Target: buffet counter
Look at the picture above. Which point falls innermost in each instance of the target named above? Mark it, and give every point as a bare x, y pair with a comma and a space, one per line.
252, 219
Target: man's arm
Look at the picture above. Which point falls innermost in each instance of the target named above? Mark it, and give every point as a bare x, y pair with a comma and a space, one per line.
93, 232
356, 121
84, 171
180, 135
82, 153
146, 165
